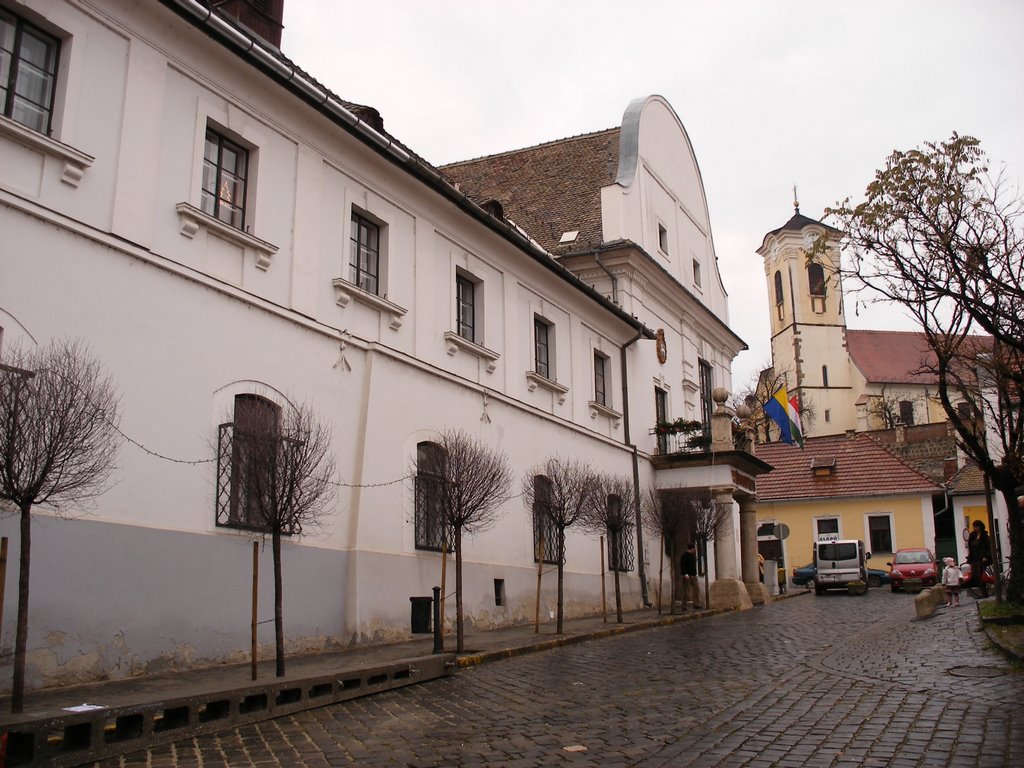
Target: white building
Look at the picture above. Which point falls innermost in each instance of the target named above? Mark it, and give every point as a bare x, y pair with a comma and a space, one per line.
180, 195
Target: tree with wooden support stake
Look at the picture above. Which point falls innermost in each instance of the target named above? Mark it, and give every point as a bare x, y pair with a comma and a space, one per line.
58, 441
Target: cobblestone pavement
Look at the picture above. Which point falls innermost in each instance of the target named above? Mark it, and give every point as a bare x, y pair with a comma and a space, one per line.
834, 680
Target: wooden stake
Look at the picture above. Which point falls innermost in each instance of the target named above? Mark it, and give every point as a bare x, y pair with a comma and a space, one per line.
3, 579
661, 573
540, 573
255, 600
604, 604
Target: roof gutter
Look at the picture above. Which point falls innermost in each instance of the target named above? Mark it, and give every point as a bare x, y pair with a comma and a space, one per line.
263, 56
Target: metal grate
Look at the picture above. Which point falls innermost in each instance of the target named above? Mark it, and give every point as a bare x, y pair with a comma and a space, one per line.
979, 672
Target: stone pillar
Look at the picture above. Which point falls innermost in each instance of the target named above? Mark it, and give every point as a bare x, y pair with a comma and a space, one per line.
721, 422
748, 552
725, 541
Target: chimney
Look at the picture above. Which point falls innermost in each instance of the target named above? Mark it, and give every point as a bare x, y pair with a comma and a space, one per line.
261, 17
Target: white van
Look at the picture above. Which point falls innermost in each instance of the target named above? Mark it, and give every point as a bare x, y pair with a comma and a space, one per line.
840, 564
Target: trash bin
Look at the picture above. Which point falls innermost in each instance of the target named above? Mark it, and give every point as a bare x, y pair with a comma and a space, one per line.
421, 615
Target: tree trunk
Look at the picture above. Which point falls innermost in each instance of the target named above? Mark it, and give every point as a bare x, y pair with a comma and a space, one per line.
561, 572
1014, 589
460, 640
21, 632
278, 605
618, 598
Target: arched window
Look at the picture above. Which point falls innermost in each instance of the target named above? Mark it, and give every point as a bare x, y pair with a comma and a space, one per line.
816, 286
545, 534
247, 450
430, 489
779, 298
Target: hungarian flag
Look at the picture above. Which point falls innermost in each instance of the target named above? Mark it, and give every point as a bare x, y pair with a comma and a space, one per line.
786, 413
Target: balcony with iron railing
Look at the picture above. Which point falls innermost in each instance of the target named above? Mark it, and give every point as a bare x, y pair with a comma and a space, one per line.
681, 436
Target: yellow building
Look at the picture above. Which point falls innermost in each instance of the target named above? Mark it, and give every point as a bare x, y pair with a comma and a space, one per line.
842, 487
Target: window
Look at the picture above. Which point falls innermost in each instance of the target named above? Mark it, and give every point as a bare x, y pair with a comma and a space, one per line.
28, 72
696, 273
430, 488
364, 255
828, 415
827, 528
779, 298
545, 534
880, 533
225, 166
824, 376
542, 347
662, 239
661, 415
600, 380
706, 385
816, 285
907, 412
465, 307
247, 450
620, 542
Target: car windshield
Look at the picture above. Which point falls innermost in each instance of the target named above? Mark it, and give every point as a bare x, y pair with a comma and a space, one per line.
906, 558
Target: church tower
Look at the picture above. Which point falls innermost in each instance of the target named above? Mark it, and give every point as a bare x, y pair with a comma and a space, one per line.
805, 300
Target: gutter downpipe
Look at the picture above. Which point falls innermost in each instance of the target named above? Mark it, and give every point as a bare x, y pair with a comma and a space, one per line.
641, 570
615, 283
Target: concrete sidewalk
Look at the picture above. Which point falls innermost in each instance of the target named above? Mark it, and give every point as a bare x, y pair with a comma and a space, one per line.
80, 724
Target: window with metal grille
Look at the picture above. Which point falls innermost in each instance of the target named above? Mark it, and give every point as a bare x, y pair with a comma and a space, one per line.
247, 450
620, 542
431, 531
542, 347
225, 170
545, 533
364, 255
600, 368
28, 72
465, 307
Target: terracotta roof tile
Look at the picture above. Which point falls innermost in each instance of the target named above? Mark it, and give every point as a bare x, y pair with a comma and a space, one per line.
891, 356
968, 481
862, 467
547, 189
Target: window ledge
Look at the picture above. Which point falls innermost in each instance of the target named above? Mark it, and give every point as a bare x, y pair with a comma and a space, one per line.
192, 219
75, 162
455, 343
596, 409
346, 292
536, 380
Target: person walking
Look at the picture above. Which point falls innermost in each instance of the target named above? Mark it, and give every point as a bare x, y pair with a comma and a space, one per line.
952, 578
688, 569
978, 551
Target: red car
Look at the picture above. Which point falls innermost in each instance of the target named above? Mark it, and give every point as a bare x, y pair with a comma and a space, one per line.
913, 569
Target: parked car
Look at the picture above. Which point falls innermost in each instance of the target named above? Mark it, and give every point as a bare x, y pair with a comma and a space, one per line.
804, 576
914, 569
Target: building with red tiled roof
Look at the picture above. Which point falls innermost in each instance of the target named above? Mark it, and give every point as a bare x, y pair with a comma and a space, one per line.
845, 487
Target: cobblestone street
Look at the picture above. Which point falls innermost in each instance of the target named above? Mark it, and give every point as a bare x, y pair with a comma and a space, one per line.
833, 680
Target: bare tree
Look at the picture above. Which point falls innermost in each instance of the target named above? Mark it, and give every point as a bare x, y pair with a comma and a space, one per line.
471, 481
58, 440
888, 409
611, 512
942, 238
668, 513
558, 501
284, 469
757, 392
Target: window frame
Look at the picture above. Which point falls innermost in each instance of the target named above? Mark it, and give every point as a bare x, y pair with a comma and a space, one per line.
817, 287
888, 532
601, 370
706, 384
906, 412
466, 305
234, 506
543, 348
837, 533
663, 238
541, 499
780, 295
358, 223
697, 277
52, 45
225, 142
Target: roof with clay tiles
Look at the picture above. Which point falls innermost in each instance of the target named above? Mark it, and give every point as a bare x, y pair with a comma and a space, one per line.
860, 467
548, 189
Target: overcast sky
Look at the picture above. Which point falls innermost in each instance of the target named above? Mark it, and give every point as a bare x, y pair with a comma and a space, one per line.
812, 92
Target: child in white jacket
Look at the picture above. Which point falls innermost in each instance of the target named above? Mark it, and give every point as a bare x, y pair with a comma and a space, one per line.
952, 578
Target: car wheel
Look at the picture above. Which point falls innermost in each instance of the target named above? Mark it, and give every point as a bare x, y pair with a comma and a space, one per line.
819, 590
874, 581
